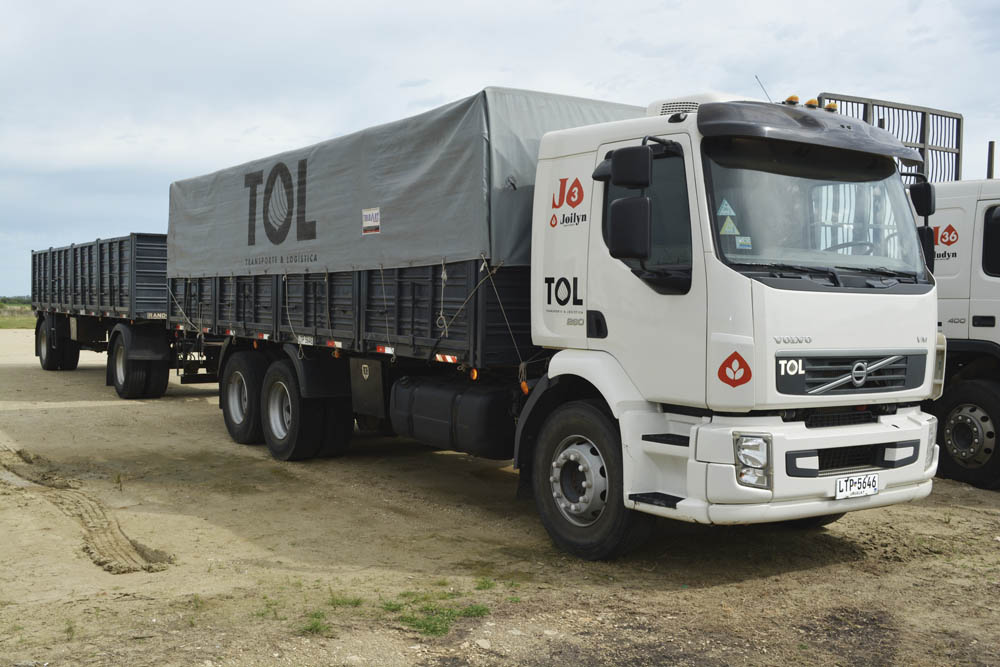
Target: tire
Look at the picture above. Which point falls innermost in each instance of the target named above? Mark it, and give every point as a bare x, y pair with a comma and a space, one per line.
577, 434
338, 427
240, 388
292, 426
69, 354
968, 418
813, 522
157, 379
129, 375
48, 356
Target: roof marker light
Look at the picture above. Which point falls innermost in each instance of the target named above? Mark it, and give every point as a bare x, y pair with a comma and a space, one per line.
812, 104
831, 107
792, 100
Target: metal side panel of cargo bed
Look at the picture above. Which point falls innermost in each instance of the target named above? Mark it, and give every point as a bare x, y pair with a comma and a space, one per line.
123, 277
410, 311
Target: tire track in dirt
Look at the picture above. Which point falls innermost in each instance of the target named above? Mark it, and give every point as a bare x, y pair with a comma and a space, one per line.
103, 539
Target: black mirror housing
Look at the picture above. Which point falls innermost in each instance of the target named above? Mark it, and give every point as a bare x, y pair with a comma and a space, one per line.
926, 236
632, 167
922, 195
630, 229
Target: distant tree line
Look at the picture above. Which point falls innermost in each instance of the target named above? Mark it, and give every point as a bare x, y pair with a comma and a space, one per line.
19, 300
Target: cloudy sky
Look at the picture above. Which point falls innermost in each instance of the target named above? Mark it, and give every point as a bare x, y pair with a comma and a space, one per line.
105, 103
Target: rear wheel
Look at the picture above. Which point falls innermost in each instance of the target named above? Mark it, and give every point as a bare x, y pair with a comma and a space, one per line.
157, 379
129, 375
968, 417
48, 356
293, 426
69, 354
577, 477
240, 387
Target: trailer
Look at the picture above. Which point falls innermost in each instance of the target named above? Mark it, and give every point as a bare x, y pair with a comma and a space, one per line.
643, 309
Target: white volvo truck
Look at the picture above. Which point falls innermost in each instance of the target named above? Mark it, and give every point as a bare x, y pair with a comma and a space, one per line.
708, 311
758, 355
967, 269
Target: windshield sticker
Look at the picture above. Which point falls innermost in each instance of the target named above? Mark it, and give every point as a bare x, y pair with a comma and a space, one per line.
744, 243
729, 228
725, 209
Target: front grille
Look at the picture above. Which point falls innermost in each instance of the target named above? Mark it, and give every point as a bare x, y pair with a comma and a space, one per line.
833, 375
846, 458
841, 419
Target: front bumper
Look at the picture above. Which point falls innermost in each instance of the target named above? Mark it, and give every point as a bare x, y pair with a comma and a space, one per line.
707, 490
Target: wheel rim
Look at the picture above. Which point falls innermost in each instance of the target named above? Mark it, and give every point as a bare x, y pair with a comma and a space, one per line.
970, 436
279, 410
237, 398
579, 480
43, 343
120, 363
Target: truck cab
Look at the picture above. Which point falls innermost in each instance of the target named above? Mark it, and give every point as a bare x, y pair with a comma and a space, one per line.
744, 322
966, 228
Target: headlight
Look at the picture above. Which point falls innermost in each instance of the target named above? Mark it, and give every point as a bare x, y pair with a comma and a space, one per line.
753, 454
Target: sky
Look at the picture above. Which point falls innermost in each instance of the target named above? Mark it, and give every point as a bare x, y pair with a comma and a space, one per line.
103, 105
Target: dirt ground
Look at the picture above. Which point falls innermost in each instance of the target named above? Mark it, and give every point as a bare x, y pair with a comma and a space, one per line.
136, 532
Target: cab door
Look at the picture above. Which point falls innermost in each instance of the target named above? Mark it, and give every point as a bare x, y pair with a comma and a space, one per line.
636, 311
984, 301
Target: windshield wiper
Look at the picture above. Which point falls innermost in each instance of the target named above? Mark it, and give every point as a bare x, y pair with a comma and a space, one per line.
881, 271
800, 268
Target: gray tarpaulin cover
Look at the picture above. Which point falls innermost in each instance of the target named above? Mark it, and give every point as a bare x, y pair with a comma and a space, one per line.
449, 184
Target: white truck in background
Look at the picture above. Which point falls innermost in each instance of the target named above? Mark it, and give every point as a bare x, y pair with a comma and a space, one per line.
967, 270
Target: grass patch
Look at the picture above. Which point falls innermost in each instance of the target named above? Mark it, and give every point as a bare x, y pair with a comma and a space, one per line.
336, 600
197, 602
270, 610
441, 582
16, 315
315, 624
70, 630
485, 584
435, 620
392, 605
513, 598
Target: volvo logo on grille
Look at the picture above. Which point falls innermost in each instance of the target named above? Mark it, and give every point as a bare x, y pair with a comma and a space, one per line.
859, 373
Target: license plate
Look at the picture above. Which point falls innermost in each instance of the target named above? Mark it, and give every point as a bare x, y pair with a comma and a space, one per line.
856, 486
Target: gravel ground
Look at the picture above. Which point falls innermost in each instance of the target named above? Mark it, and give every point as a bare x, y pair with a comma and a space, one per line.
136, 532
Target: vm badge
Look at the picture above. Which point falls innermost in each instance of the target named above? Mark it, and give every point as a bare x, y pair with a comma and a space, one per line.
735, 370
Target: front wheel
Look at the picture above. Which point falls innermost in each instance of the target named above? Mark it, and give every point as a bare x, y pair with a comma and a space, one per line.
968, 417
578, 488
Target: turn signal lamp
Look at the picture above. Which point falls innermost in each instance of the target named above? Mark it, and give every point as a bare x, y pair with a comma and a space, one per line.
831, 107
525, 389
932, 423
474, 374
792, 100
752, 460
813, 103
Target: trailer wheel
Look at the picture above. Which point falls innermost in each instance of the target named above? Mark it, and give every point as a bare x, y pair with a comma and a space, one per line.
968, 417
69, 357
293, 426
338, 428
157, 379
577, 475
129, 375
241, 384
813, 522
48, 356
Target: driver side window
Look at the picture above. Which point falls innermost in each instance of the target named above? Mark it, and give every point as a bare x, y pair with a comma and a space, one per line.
671, 231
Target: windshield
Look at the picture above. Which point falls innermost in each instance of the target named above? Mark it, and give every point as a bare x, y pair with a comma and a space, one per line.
778, 202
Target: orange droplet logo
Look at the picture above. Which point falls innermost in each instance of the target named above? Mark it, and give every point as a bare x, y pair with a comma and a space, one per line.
735, 370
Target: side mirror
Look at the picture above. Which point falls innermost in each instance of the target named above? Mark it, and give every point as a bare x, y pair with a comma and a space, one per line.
632, 167
630, 228
922, 195
926, 236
